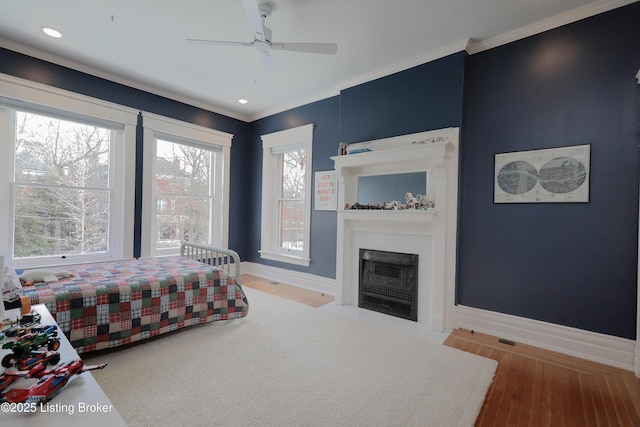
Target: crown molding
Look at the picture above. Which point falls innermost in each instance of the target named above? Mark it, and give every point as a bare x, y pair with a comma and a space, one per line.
565, 18
432, 55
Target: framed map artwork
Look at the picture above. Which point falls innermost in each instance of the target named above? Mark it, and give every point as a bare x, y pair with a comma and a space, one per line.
554, 175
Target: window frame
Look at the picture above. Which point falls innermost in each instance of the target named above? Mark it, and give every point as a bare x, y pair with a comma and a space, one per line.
19, 94
159, 127
272, 145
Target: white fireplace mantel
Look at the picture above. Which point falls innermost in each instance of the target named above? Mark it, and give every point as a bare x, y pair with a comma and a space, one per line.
431, 232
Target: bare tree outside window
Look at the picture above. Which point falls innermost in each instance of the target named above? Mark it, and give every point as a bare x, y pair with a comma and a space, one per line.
291, 205
184, 194
62, 193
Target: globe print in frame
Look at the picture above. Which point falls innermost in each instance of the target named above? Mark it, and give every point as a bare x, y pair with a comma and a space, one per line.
543, 176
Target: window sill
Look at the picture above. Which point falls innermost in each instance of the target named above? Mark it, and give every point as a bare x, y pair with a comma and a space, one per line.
290, 259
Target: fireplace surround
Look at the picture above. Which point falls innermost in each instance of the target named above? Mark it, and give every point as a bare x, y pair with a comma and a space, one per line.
428, 233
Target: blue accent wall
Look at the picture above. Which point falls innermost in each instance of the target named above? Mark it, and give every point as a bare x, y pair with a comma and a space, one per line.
572, 264
419, 99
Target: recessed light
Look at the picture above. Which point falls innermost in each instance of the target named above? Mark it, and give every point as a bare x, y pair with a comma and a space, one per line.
242, 101
51, 32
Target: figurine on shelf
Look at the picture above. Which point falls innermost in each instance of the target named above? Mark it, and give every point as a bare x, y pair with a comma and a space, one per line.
412, 202
392, 205
425, 202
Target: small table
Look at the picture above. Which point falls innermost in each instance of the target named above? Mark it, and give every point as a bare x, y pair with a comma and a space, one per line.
81, 402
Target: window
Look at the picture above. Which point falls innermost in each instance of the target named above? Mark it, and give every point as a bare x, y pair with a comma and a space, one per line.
184, 194
286, 195
187, 183
63, 176
61, 189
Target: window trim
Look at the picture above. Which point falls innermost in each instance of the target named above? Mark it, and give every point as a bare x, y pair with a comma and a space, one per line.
155, 126
272, 144
16, 93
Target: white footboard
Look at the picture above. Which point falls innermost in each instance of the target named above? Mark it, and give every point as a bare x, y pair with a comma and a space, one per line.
218, 257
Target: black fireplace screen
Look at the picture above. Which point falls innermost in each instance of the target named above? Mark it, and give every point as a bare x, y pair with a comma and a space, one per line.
388, 283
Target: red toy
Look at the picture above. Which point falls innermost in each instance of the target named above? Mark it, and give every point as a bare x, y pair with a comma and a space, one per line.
51, 382
9, 377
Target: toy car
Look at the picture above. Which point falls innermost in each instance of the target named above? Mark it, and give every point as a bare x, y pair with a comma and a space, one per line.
50, 383
31, 359
29, 342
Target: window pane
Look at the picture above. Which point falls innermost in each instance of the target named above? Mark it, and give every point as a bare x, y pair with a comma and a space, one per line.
182, 218
183, 169
60, 221
291, 206
291, 220
60, 152
293, 170
183, 194
62, 187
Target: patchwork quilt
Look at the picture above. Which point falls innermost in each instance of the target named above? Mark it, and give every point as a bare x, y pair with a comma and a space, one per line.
115, 303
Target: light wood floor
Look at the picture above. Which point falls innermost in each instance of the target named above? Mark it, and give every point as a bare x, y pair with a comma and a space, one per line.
532, 387
536, 387
314, 299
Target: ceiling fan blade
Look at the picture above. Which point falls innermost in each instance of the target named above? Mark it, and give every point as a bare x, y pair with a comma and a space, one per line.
255, 19
219, 42
326, 48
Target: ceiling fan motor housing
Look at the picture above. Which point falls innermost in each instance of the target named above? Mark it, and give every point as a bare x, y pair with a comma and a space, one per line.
265, 11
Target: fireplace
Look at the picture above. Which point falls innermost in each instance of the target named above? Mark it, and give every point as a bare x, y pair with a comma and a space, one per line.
430, 233
388, 283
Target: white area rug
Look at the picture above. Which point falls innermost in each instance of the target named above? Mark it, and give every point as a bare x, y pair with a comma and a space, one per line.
287, 364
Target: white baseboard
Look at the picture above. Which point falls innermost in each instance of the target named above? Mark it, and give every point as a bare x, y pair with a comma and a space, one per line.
295, 278
636, 361
605, 349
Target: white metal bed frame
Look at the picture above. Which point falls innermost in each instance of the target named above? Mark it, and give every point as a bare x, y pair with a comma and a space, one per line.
217, 257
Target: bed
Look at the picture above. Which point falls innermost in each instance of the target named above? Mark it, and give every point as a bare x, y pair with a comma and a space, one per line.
110, 304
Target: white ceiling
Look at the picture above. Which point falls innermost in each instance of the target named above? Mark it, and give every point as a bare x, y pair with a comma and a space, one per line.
142, 43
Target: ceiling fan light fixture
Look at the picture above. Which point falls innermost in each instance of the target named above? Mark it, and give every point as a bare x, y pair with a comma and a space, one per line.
257, 13
52, 32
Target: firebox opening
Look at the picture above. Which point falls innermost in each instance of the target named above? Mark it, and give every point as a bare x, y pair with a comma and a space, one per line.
388, 283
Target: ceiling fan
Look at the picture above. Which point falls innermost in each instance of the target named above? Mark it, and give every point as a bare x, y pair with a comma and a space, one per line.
262, 36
